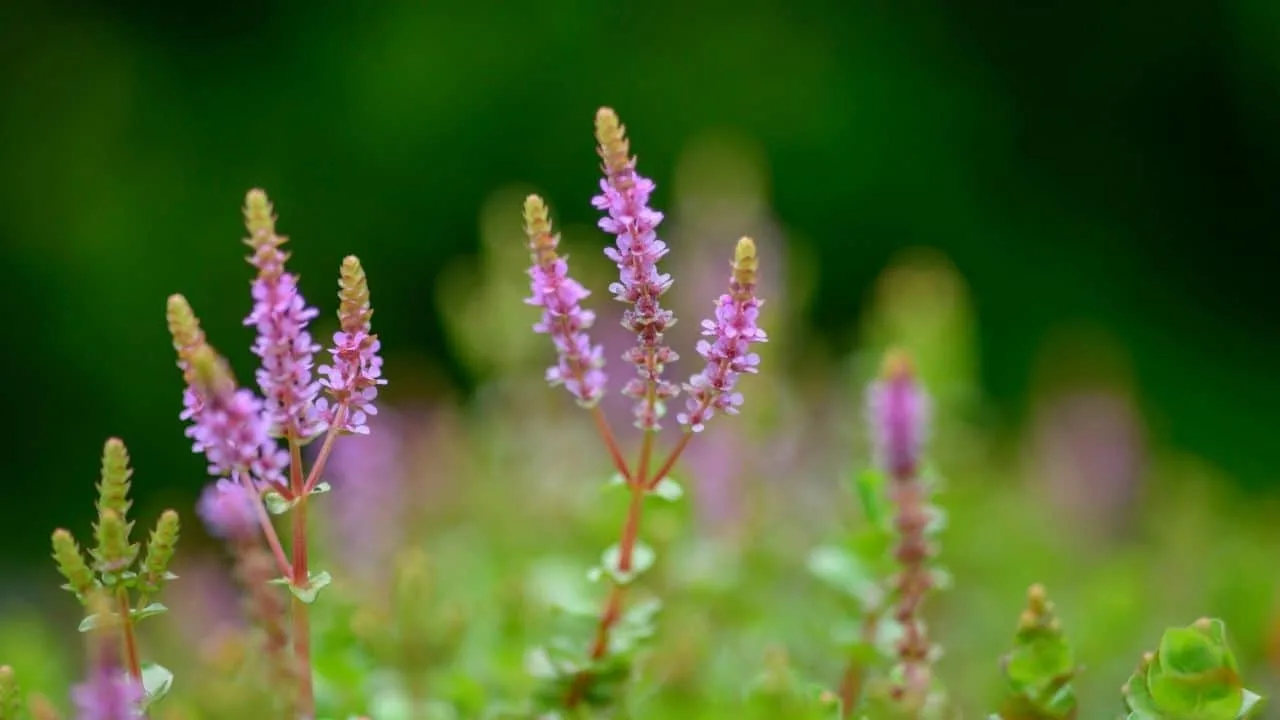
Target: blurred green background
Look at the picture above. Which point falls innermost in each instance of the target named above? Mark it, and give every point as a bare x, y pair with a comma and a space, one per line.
1085, 191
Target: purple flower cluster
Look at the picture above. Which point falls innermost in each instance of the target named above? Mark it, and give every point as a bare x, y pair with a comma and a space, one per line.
353, 378
109, 693
229, 510
727, 352
238, 431
579, 365
281, 317
625, 197
898, 412
233, 432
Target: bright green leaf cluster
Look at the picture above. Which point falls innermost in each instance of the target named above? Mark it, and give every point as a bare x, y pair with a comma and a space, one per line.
1192, 676
1039, 670
116, 589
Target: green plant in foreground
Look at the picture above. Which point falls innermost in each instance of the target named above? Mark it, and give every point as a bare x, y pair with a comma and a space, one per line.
1191, 676
1039, 669
119, 587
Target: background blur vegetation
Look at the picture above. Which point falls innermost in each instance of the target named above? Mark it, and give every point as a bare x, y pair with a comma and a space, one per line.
1066, 210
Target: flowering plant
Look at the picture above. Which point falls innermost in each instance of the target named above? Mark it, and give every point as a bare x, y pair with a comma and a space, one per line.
392, 657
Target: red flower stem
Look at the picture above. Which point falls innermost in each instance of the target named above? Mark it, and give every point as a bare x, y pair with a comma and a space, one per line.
126, 631
268, 529
301, 579
670, 462
626, 551
326, 447
611, 443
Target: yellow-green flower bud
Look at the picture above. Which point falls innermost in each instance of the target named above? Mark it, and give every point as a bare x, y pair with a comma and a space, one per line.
160, 549
71, 564
114, 552
354, 310
113, 489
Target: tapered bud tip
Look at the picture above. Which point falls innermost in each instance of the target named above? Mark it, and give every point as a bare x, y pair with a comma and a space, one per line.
1204, 624
258, 214
611, 135
354, 312
898, 365
115, 461
183, 324
745, 263
1037, 594
537, 227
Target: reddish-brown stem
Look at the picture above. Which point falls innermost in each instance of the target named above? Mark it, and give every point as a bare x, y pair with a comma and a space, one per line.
301, 579
126, 631
326, 447
611, 443
670, 462
854, 673
613, 603
268, 529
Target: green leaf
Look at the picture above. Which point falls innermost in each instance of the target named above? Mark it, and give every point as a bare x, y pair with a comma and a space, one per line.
157, 680
277, 505
668, 489
151, 610
846, 572
311, 590
1039, 661
89, 623
1194, 673
869, 485
1250, 706
1138, 697
642, 558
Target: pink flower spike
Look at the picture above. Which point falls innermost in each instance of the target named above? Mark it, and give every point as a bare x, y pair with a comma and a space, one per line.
732, 331
229, 425
625, 197
281, 317
579, 365
352, 380
898, 412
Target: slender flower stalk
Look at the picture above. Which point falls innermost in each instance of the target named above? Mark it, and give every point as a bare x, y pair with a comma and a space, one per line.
898, 410
580, 363
228, 424
352, 379
731, 332
281, 316
624, 195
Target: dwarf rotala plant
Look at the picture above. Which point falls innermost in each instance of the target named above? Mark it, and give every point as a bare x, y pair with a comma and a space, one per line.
254, 443
267, 443
592, 670
885, 566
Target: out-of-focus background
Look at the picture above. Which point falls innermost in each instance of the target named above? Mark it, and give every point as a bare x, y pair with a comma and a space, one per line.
1064, 212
